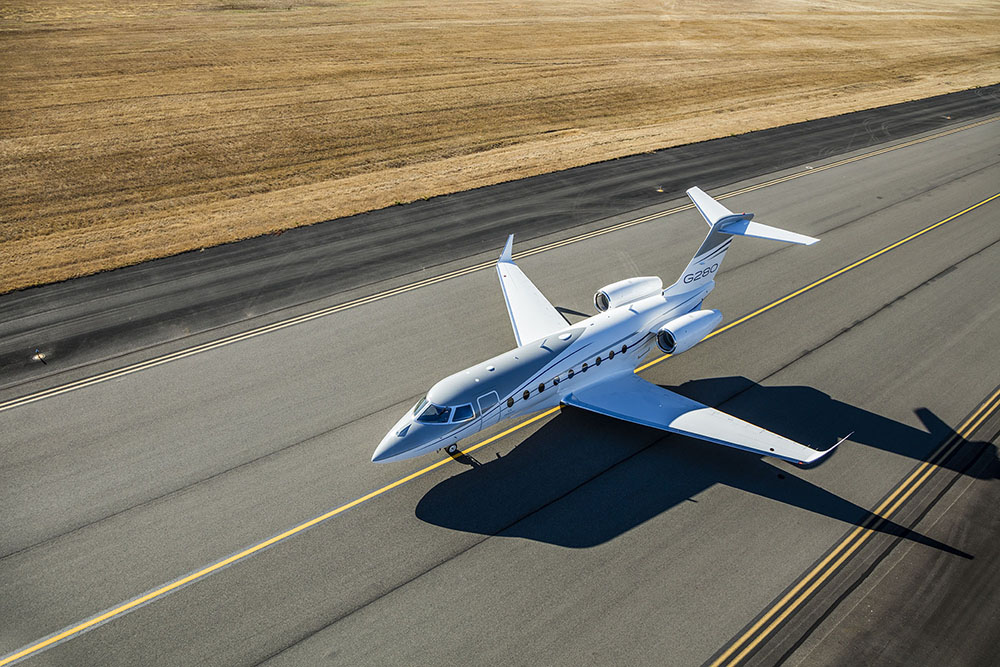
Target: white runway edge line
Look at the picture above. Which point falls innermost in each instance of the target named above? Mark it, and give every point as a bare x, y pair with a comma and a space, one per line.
283, 324
72, 631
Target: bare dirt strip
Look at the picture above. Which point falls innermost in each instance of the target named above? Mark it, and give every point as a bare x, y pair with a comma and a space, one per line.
134, 130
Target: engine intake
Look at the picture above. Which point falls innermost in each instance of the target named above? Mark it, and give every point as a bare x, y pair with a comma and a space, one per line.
625, 292
683, 333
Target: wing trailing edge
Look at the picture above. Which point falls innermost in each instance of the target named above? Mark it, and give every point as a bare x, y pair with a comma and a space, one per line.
630, 398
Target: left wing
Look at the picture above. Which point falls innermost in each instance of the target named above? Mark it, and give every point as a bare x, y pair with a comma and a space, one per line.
531, 314
629, 397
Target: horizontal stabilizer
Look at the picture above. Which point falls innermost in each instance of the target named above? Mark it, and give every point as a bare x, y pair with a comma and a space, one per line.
742, 226
721, 219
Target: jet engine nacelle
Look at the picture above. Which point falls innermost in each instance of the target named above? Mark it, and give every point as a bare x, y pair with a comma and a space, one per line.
686, 331
628, 291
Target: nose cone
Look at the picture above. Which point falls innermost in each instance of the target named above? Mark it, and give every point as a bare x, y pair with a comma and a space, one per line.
391, 446
408, 439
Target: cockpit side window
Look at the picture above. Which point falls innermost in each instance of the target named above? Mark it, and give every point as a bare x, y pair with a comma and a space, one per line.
463, 413
420, 405
434, 414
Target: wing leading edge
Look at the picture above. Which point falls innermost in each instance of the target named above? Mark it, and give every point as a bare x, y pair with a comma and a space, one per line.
531, 314
630, 398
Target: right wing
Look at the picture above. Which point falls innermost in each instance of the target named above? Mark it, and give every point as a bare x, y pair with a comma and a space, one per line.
630, 398
531, 314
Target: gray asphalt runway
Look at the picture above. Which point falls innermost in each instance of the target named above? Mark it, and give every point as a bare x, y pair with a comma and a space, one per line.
586, 540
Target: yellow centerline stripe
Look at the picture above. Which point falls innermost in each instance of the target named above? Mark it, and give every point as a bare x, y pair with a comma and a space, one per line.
183, 581
923, 471
65, 634
831, 276
163, 590
323, 312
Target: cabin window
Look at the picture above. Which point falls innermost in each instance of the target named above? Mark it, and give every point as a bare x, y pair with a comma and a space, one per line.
555, 381
624, 349
611, 355
541, 387
583, 369
463, 413
526, 394
597, 362
510, 402
434, 414
570, 374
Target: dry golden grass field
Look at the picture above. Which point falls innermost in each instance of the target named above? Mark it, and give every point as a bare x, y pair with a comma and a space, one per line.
137, 129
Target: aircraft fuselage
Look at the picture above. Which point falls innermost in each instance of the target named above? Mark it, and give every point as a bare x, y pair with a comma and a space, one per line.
536, 376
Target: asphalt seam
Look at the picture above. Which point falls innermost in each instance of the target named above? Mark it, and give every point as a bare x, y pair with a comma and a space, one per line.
886, 551
847, 224
971, 476
827, 565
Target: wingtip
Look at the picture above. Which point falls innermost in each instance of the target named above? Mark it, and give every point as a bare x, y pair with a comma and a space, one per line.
508, 250
826, 452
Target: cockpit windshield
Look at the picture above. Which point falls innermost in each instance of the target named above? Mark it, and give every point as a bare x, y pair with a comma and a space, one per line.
434, 414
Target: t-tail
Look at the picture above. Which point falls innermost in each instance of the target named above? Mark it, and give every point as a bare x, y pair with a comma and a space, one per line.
724, 225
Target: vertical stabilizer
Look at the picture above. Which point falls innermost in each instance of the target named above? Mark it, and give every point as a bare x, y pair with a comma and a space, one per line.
723, 225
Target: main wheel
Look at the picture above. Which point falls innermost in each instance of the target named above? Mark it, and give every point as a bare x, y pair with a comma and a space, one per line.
452, 448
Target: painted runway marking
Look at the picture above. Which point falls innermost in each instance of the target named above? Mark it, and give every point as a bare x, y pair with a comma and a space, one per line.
77, 629
323, 312
813, 579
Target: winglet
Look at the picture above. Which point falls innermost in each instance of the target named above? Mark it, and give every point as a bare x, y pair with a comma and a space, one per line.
506, 255
841, 440
819, 455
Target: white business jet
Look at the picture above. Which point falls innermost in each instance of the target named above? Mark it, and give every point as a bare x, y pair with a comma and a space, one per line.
590, 365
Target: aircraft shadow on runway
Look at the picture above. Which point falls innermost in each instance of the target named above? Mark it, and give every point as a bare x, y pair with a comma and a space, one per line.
583, 479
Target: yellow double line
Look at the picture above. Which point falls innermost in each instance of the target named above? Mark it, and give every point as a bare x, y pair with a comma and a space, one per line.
801, 592
323, 312
124, 608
